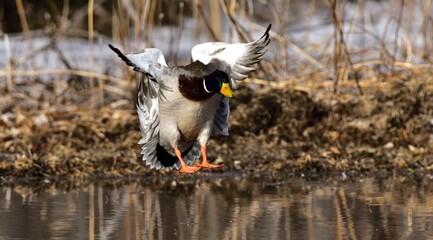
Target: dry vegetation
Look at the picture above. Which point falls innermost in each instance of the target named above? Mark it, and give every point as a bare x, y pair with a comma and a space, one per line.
317, 108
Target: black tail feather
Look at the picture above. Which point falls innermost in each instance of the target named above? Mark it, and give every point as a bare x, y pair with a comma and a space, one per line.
166, 159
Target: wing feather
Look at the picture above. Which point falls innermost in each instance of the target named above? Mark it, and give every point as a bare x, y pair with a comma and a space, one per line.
148, 115
238, 56
151, 63
221, 120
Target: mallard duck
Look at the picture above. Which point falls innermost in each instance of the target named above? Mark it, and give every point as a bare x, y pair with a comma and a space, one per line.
180, 107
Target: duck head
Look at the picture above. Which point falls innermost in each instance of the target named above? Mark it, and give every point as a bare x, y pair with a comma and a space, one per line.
218, 82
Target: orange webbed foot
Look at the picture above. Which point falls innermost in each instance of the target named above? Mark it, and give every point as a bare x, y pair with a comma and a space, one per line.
205, 163
184, 168
187, 169
208, 165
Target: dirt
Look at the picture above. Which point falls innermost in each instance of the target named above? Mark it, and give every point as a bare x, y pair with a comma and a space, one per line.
284, 131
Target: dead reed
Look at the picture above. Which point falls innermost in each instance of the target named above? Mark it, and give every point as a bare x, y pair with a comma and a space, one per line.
294, 54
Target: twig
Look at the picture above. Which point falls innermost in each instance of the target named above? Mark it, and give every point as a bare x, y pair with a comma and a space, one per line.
75, 79
22, 15
233, 22
64, 18
178, 36
54, 7
295, 48
203, 16
100, 62
397, 29
426, 29
150, 24
81, 73
349, 42
137, 23
90, 28
215, 17
9, 83
80, 14
340, 48
333, 4
407, 65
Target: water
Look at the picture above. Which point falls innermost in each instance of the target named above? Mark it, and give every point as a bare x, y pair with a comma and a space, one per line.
221, 209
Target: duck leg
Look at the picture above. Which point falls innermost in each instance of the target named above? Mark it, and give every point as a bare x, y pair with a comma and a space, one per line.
183, 167
205, 163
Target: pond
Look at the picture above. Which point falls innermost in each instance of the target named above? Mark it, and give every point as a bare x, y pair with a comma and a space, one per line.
221, 208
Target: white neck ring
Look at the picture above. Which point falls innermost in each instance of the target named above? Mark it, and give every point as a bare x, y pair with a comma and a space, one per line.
204, 86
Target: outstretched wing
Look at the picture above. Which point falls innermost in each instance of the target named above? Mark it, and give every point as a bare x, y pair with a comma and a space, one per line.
150, 61
238, 56
148, 115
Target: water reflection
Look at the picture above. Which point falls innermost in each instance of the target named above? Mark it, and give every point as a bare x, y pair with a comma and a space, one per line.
220, 209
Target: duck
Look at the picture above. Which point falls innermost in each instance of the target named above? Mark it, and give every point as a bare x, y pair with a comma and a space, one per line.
180, 107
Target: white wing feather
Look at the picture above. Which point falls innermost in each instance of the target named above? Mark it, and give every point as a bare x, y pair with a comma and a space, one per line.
238, 56
149, 61
148, 115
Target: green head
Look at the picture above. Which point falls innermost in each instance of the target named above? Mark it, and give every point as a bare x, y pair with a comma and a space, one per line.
218, 81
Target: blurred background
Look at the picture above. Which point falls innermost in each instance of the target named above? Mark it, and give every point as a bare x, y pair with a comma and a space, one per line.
61, 46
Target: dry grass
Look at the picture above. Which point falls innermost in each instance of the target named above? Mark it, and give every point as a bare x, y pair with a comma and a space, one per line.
133, 23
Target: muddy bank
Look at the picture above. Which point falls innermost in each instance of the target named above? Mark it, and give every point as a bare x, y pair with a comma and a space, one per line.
389, 128
273, 131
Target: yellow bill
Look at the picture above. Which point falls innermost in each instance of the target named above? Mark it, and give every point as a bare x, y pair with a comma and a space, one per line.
226, 90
